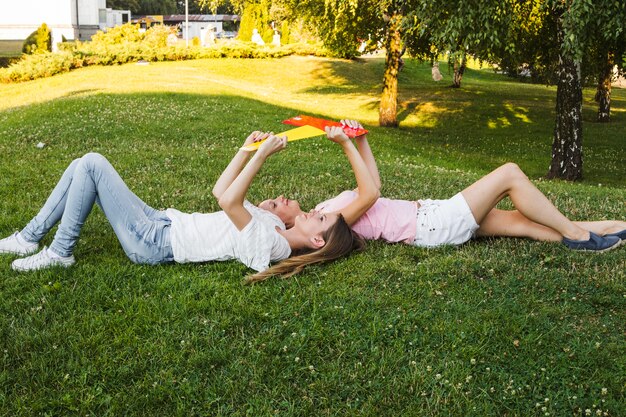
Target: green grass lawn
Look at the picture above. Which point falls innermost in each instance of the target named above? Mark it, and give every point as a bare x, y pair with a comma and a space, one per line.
502, 327
10, 48
9, 52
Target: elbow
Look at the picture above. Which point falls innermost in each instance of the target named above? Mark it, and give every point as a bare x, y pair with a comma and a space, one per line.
373, 196
225, 203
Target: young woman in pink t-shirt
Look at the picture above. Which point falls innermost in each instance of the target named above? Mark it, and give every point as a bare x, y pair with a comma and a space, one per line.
469, 213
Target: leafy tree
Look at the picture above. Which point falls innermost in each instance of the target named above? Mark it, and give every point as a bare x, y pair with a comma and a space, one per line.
255, 15
582, 27
344, 24
607, 47
156, 7
565, 42
212, 6
132, 5
473, 27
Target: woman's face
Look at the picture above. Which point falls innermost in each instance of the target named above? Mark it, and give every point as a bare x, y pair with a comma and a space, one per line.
314, 224
286, 210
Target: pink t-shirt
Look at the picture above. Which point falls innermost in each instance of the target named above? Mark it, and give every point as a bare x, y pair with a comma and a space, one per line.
391, 220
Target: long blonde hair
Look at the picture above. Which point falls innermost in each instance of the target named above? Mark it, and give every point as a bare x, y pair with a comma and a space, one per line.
340, 241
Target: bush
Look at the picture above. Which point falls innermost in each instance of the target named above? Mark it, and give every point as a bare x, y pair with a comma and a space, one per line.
126, 43
156, 36
39, 65
38, 41
127, 33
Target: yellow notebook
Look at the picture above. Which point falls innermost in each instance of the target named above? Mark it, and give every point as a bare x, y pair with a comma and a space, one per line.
303, 132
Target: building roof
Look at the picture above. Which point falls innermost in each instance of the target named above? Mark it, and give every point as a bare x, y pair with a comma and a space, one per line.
201, 18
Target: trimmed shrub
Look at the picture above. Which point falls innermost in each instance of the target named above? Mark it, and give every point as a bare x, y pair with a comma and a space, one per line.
126, 43
39, 65
38, 41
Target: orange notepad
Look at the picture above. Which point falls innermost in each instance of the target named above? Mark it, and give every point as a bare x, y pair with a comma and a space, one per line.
322, 123
310, 127
298, 133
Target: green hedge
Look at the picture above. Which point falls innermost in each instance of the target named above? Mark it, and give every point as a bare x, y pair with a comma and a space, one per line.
125, 44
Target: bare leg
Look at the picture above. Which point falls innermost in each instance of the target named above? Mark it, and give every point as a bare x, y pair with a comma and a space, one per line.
603, 227
512, 223
509, 180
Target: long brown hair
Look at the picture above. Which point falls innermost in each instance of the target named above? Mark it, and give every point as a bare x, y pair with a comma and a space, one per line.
340, 241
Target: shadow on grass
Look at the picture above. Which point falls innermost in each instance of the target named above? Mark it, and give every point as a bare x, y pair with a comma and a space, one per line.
489, 121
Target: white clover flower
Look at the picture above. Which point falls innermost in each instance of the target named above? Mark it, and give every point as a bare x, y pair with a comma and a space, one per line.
473, 361
604, 391
297, 359
438, 376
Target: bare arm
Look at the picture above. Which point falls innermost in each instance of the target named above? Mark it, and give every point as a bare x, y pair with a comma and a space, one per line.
365, 151
236, 165
367, 192
231, 200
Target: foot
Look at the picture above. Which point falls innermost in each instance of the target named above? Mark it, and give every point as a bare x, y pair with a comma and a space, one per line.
43, 259
16, 245
621, 235
594, 243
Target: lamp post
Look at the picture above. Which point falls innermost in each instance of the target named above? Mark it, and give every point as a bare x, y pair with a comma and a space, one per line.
187, 23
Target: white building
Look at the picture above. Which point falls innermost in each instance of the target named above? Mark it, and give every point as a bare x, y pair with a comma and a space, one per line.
221, 25
72, 19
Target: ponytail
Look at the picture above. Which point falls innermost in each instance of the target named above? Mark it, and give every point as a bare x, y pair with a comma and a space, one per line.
340, 240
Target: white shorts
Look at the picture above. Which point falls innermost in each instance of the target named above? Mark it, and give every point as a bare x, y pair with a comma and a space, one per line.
444, 222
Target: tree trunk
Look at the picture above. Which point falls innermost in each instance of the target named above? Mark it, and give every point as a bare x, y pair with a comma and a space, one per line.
603, 94
389, 101
567, 156
459, 69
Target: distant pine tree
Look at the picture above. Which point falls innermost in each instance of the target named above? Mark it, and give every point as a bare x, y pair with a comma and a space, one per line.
38, 41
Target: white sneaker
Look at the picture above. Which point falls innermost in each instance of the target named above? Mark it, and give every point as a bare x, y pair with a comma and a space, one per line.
41, 260
16, 246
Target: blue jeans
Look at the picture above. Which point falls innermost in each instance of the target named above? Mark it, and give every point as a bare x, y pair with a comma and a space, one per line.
143, 231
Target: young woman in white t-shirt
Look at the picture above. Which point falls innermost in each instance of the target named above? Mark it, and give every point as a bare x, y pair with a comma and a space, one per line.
471, 212
241, 231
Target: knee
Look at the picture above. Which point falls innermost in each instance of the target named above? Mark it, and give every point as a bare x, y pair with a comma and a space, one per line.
72, 166
92, 160
512, 171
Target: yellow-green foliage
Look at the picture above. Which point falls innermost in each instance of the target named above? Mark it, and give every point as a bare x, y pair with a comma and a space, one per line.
38, 41
255, 15
128, 33
127, 44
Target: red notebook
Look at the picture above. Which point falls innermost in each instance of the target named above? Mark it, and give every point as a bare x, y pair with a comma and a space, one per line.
322, 123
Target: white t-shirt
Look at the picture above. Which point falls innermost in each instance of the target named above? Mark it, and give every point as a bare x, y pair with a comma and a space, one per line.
201, 237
